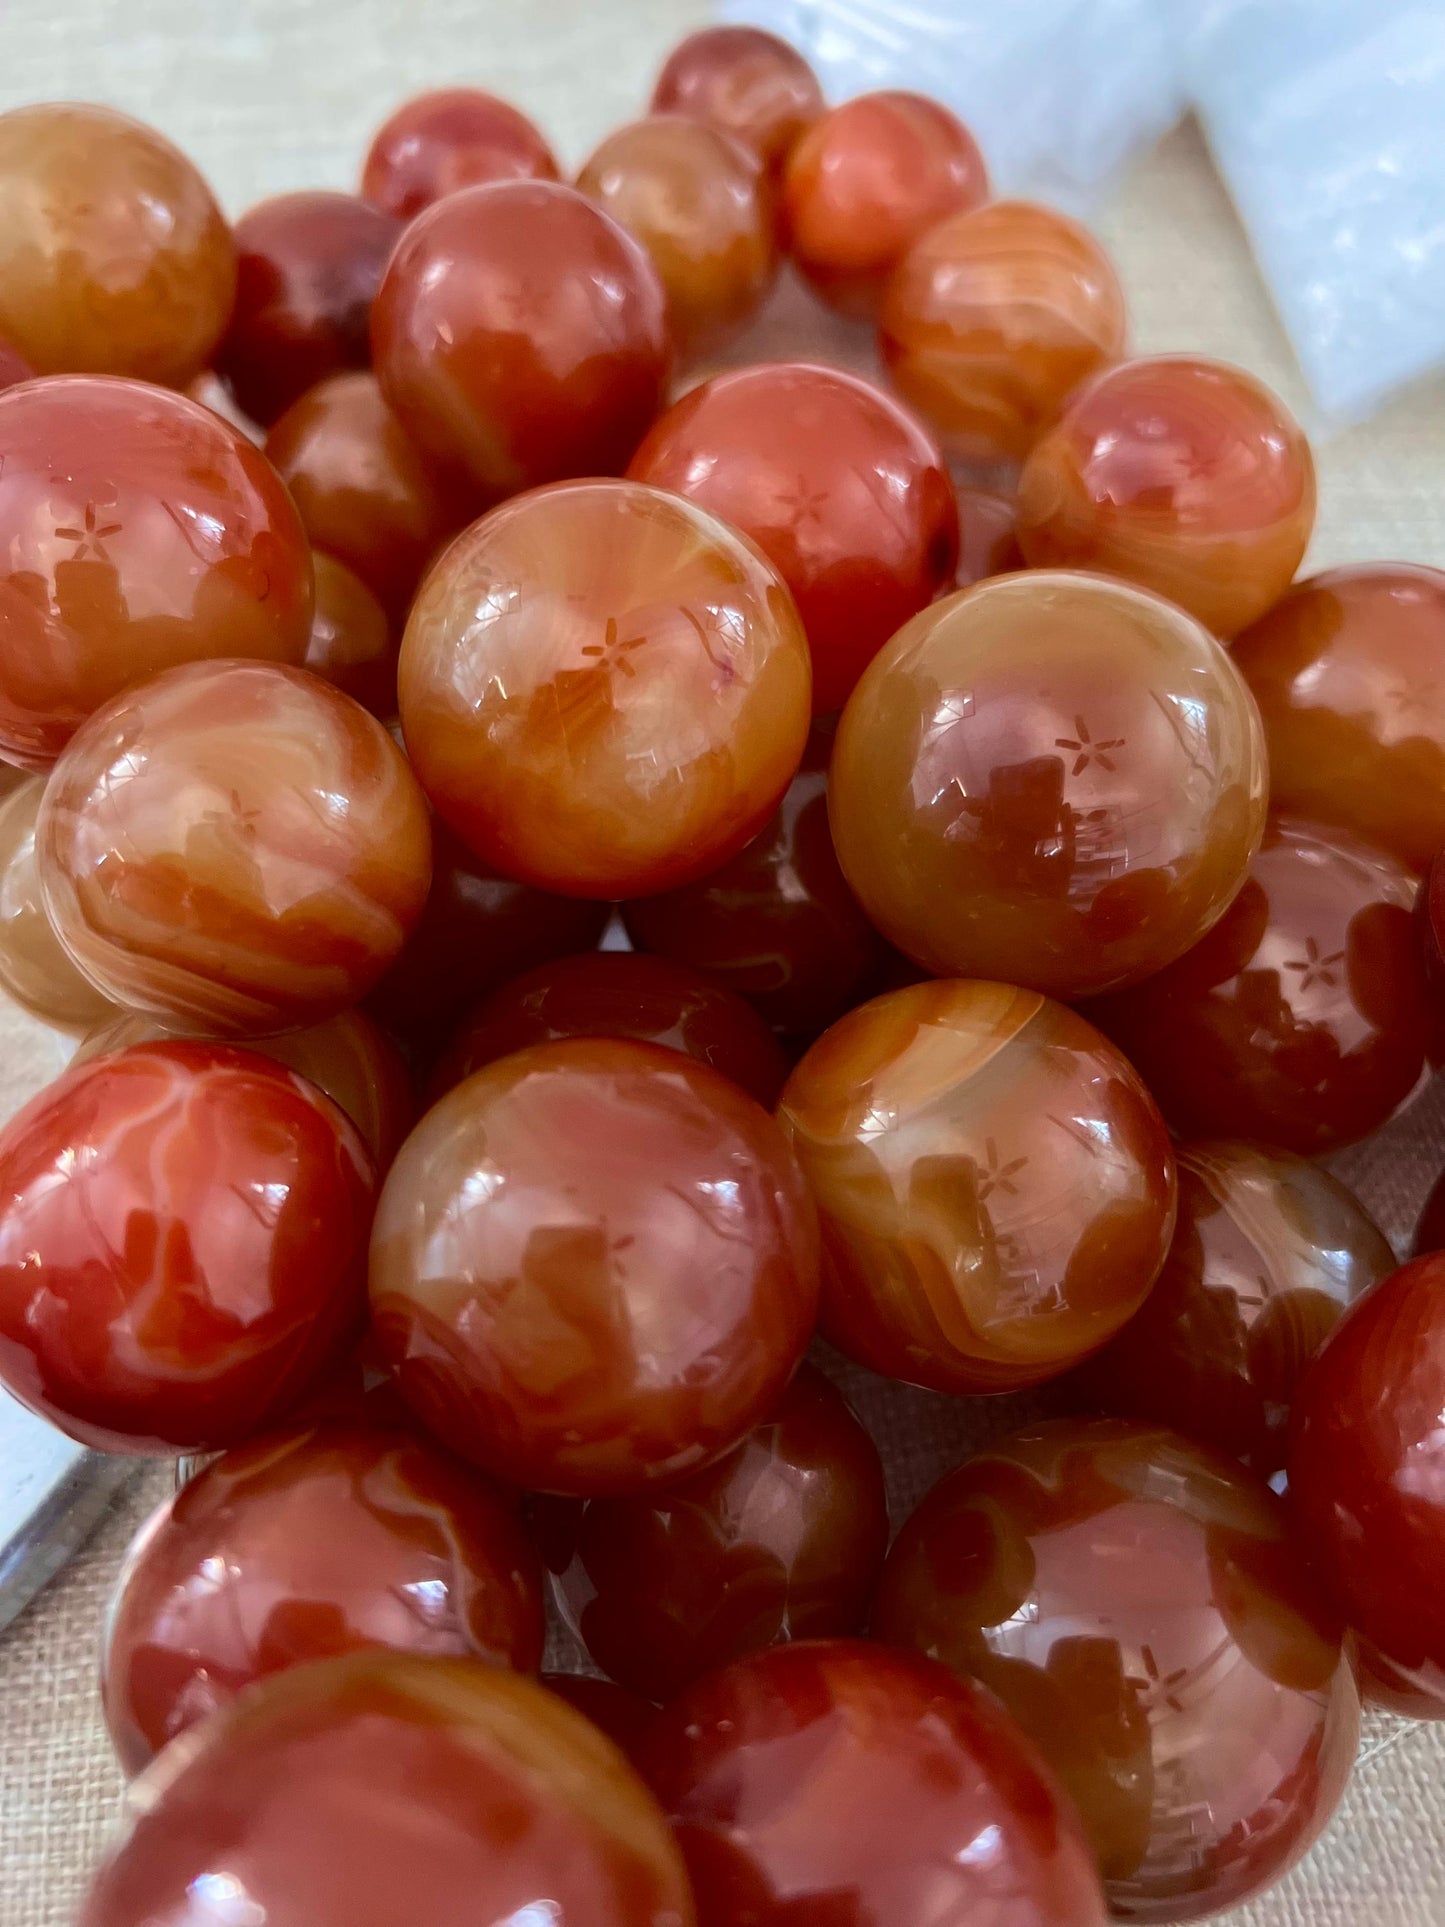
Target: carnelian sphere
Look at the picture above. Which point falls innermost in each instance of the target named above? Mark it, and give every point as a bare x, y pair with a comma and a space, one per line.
521, 332
365, 491
993, 317
1186, 476
114, 257
182, 1246
1049, 778
777, 922
1269, 1251
782, 1539
1304, 1018
104, 579
867, 180
611, 993
834, 1780
595, 1266
390, 1787
451, 138
703, 208
348, 1057
34, 968
306, 1544
995, 1184
843, 491
352, 646
749, 83
1348, 670
1137, 1604
1367, 1474
310, 264
236, 845
604, 689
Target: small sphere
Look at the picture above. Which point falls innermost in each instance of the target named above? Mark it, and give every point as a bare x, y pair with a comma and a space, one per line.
34, 968
352, 646
782, 1539
148, 1302
594, 1266
988, 523
749, 83
1269, 1251
1050, 778
995, 1184
114, 257
621, 1715
835, 1780
236, 846
103, 580
777, 923
842, 490
13, 366
307, 1544
610, 993
703, 208
1304, 1018
1345, 669
391, 1787
605, 690
865, 182
1367, 1475
1138, 1606
309, 268
1186, 476
523, 334
993, 317
451, 138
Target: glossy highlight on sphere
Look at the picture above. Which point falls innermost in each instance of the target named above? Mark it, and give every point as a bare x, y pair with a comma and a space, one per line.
1186, 476
309, 265
352, 646
605, 690
235, 845
114, 257
749, 83
451, 138
865, 182
611, 993
387, 1787
782, 1539
837, 1781
594, 1266
995, 1185
307, 1544
182, 1246
777, 923
703, 208
842, 490
1367, 1475
104, 580
34, 969
1269, 1252
1304, 1018
523, 334
992, 317
1050, 778
1139, 1608
1347, 672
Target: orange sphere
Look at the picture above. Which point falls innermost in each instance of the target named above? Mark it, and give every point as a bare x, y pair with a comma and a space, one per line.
1053, 779
1184, 475
451, 138
995, 1184
865, 182
236, 846
746, 82
701, 206
993, 317
351, 643
605, 691
114, 257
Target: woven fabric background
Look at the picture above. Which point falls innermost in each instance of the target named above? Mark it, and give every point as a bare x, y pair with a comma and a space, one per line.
272, 94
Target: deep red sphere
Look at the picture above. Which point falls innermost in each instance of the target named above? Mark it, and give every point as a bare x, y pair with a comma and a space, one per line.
749, 83
451, 138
